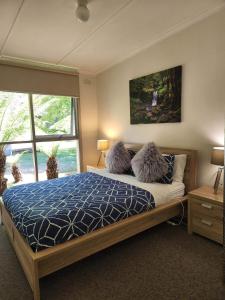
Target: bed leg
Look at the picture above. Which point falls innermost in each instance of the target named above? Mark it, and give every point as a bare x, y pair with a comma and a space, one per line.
1, 220
36, 285
36, 293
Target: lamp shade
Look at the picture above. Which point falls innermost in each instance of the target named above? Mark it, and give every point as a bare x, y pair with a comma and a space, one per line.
217, 156
102, 145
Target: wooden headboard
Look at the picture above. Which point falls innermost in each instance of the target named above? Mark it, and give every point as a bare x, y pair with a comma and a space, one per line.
190, 172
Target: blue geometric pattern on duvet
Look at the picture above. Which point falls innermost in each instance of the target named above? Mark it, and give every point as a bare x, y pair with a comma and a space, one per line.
51, 212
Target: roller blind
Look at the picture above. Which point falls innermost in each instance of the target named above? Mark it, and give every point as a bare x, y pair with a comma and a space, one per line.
21, 79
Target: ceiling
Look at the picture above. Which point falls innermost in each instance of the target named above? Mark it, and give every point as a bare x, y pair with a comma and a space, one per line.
46, 31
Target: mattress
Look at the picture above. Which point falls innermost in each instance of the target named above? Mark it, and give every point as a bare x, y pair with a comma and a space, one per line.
162, 193
51, 212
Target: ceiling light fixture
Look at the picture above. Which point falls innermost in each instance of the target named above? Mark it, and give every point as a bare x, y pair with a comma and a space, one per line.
82, 11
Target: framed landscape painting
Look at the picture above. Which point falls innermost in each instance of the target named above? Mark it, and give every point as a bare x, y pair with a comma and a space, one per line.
156, 98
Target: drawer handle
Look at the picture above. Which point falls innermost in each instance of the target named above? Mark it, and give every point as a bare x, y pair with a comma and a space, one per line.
206, 206
206, 222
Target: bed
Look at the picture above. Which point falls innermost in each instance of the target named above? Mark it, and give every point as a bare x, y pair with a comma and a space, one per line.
40, 257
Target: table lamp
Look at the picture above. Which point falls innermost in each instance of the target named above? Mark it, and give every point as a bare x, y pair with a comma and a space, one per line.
102, 145
217, 158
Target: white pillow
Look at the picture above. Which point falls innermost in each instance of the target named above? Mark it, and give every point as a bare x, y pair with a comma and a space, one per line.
179, 166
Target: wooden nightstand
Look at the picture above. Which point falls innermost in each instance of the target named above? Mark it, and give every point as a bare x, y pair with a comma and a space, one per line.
92, 167
205, 213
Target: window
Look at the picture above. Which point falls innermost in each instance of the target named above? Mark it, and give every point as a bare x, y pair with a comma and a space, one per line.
15, 122
31, 126
47, 121
66, 157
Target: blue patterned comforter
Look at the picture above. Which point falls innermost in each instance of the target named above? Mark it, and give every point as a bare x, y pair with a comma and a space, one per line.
51, 212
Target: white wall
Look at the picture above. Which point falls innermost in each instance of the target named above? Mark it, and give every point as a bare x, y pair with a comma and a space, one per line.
88, 120
200, 49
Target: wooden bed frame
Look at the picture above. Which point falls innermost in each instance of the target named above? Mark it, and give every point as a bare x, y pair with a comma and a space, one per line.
47, 261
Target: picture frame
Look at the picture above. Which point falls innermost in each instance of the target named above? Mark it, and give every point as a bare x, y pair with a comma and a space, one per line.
156, 98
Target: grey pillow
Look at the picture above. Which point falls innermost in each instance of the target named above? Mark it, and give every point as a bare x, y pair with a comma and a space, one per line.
148, 164
118, 159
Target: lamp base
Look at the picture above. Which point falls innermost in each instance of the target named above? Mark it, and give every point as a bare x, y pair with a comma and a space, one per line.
100, 156
103, 153
217, 181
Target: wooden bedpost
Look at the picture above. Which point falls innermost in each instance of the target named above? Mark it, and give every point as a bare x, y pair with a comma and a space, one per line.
36, 285
1, 221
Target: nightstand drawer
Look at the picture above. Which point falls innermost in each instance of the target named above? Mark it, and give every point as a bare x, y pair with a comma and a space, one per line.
209, 227
206, 208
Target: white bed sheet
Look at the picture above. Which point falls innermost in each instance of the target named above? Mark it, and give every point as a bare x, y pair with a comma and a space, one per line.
162, 193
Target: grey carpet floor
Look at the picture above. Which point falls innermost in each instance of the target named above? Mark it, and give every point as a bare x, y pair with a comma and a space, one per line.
161, 263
